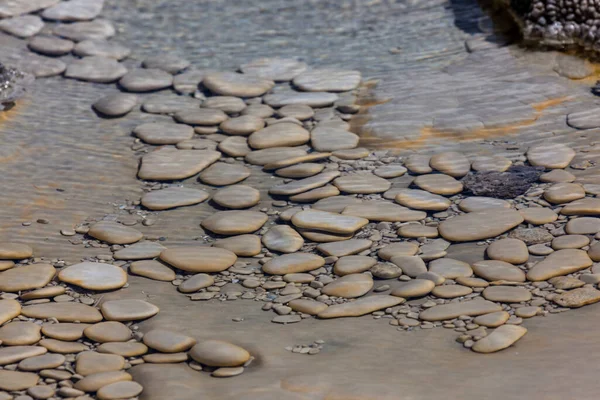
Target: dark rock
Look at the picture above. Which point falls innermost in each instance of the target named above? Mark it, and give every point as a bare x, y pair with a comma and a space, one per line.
502, 185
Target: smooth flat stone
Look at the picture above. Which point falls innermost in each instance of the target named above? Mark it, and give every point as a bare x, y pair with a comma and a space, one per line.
290, 98
471, 204
227, 104
168, 163
502, 337
328, 222
397, 249
335, 204
163, 132
349, 286
195, 283
422, 200
527, 312
359, 307
583, 226
494, 270
479, 225
166, 62
472, 282
538, 215
114, 233
412, 266
14, 251
119, 390
188, 82
273, 154
168, 341
491, 163
557, 176
128, 310
384, 211
570, 242
234, 222
304, 185
332, 139
146, 80
152, 269
20, 333
234, 84
282, 238
223, 174
566, 282
353, 264
243, 125
414, 288
14, 354
40, 66
199, 258
93, 382
241, 245
139, 251
110, 331
492, 320
9, 309
50, 45
16, 8
275, 69
14, 380
439, 184
173, 197
125, 349
26, 277
169, 104
594, 252
293, 263
451, 163
327, 80
418, 164
237, 196
64, 331
45, 361
451, 291
63, 312
506, 294
512, 251
300, 170
95, 69
449, 311
540, 250
200, 116
551, 156
90, 362
344, 247
23, 26
577, 297
235, 146
315, 194
300, 112
322, 236
115, 105
306, 306
390, 171
298, 278
98, 29
450, 268
586, 206
61, 347
102, 48
279, 135
361, 184
94, 276
258, 110
217, 353
560, 193
6, 264
74, 10
418, 231
561, 262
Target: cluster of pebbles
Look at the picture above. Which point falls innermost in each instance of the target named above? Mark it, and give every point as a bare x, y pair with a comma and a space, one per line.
349, 233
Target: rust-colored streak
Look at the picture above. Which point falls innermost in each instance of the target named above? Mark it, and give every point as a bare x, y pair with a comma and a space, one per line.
543, 105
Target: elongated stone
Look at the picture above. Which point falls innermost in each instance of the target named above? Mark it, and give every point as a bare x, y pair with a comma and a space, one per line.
471, 308
26, 277
561, 262
304, 185
128, 310
349, 286
479, 225
344, 247
328, 222
234, 222
168, 163
199, 258
362, 306
293, 263
9, 309
502, 337
384, 211
63, 312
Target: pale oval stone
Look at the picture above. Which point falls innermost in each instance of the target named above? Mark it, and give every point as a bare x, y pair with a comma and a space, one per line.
90, 362
200, 116
94, 276
26, 277
166, 62
538, 215
566, 282
110, 331
217, 353
472, 282
163, 132
152, 269
74, 10
583, 226
561, 262
114, 233
93, 30
577, 297
279, 135
44, 293
227, 104
237, 196
513, 251
439, 184
275, 69
120, 390
327, 80
235, 146
593, 253
502, 337
397, 249
353, 264
384, 211
195, 283
414, 288
168, 163
102, 48
491, 163
494, 270
169, 104
450, 268
285, 98
586, 206
471, 204
335, 204
557, 176
241, 245
223, 174
20, 333
282, 238
14, 251
451, 163
449, 311
95, 69
6, 264
527, 312
115, 105
14, 354
244, 125
362, 184
390, 171
296, 160
258, 110
62, 347
234, 222
451, 291
273, 154
45, 361
63, 312
13, 380
506, 294
168, 341
167, 358
422, 200
359, 307
412, 266
560, 193
199, 258
234, 84
299, 111
293, 263
551, 156
418, 164
305, 306
332, 139
540, 250
570, 242
349, 286
302, 171
128, 310
492, 320
479, 225
352, 154
304, 185
173, 197
125, 349
23, 26
93, 382
64, 331
299, 278
418, 231
328, 222
146, 80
